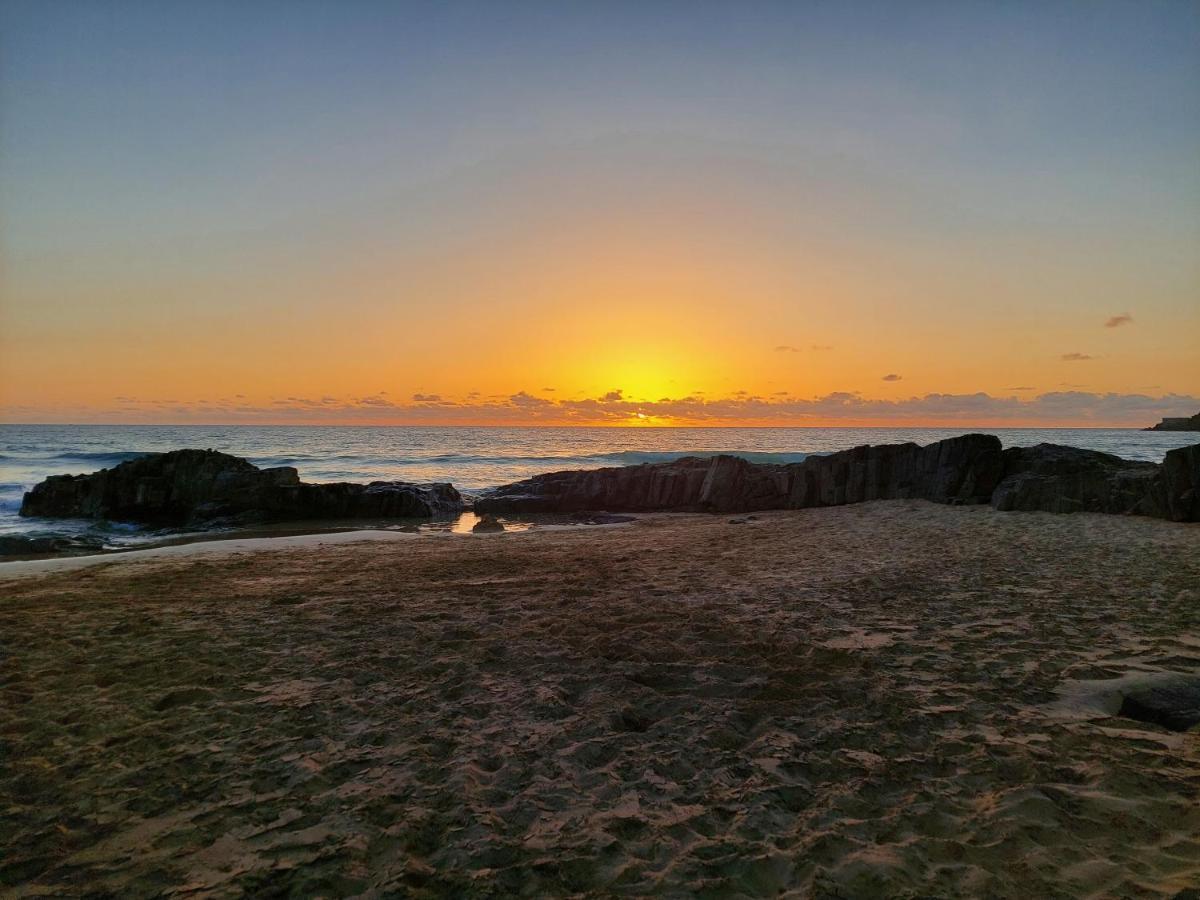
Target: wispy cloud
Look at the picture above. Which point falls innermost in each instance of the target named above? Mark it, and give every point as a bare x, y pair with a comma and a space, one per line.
892, 377
612, 396
1075, 357
1118, 321
427, 398
787, 348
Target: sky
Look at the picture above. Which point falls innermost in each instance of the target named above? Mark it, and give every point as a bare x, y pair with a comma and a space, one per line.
667, 213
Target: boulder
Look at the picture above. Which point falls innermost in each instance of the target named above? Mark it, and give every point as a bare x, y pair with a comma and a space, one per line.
203, 487
1053, 478
1181, 484
963, 469
1172, 702
488, 525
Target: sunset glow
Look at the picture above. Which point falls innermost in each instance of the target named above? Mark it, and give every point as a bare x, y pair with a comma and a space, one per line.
557, 224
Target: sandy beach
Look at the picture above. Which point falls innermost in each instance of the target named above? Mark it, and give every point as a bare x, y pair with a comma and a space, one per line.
894, 699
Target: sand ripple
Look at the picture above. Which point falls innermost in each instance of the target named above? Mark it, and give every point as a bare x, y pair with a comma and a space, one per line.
854, 702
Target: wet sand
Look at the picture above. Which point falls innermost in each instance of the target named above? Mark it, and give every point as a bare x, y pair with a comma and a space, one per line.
891, 699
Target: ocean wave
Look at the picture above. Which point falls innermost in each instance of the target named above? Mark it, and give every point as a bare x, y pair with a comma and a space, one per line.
618, 457
364, 465
271, 462
636, 457
111, 456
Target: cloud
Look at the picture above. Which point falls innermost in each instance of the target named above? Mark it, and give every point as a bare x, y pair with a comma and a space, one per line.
1118, 321
375, 402
550, 390
427, 398
787, 348
526, 401
1063, 407
1075, 357
892, 377
1020, 389
821, 347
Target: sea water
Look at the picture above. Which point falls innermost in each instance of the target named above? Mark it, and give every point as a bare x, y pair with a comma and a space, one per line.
473, 459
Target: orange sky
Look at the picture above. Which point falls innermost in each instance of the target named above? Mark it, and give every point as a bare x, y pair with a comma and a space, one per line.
771, 231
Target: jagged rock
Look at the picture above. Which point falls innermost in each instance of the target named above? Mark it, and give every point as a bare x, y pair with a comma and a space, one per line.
963, 469
1181, 483
199, 487
1053, 478
488, 524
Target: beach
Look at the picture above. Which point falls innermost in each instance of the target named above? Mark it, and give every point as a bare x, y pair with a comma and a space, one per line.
891, 699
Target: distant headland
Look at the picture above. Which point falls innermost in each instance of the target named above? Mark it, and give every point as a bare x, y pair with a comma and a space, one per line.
1186, 423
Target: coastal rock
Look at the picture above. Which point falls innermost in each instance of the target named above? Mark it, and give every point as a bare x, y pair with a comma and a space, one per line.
200, 487
1054, 478
963, 469
1173, 703
488, 525
1183, 423
1181, 483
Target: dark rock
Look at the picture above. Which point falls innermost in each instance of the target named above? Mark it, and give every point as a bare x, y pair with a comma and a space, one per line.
198, 487
963, 469
1181, 484
1188, 423
20, 545
1173, 703
1053, 478
488, 524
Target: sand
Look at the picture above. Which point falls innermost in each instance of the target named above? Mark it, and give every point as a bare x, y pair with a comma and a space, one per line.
887, 700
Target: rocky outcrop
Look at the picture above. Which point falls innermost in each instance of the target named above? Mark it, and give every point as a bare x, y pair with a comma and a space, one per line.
967, 469
205, 487
201, 488
1053, 478
1187, 423
1181, 484
959, 470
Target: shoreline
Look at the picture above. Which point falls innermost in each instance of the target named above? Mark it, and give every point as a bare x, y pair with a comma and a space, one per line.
968, 468
263, 540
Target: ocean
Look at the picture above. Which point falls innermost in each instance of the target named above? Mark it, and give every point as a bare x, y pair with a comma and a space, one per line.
471, 458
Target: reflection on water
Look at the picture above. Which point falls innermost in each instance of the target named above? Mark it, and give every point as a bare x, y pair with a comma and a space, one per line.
465, 524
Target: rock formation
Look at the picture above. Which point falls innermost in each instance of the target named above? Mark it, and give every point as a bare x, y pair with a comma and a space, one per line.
1188, 423
967, 469
959, 470
204, 487
1061, 479
1181, 483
